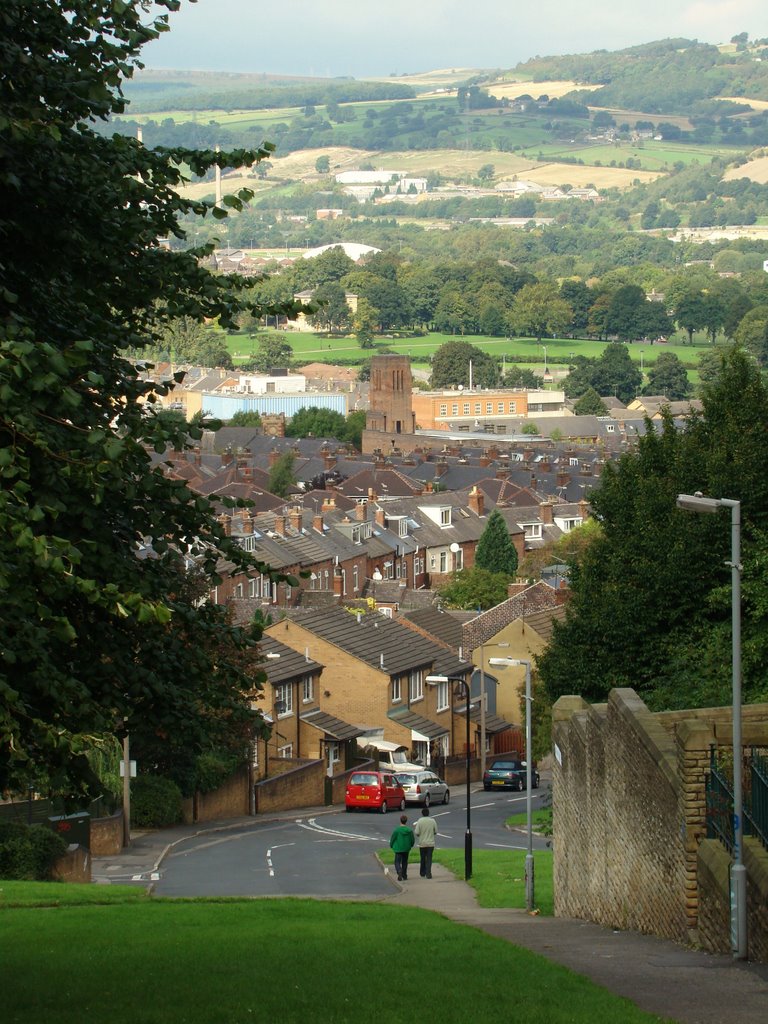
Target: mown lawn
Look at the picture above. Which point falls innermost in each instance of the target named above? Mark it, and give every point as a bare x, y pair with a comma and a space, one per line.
286, 961
498, 876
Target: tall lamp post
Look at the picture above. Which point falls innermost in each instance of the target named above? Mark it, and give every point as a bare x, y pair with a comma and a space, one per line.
468, 834
709, 506
529, 879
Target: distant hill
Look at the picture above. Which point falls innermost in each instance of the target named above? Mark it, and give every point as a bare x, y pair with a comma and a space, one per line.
672, 76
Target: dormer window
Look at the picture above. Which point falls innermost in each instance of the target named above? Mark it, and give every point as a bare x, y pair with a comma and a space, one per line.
445, 516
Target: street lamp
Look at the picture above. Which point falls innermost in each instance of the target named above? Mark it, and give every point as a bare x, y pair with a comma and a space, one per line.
468, 834
529, 882
709, 506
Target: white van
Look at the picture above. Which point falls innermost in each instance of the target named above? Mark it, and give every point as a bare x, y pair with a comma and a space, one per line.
393, 757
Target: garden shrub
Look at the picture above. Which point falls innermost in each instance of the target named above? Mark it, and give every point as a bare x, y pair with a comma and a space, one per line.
155, 802
28, 852
214, 768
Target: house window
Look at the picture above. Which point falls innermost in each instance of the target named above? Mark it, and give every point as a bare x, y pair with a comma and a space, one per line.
286, 751
416, 685
355, 578
500, 407
386, 612
387, 571
397, 695
333, 752
443, 561
610, 428
402, 528
254, 588
308, 689
288, 592
489, 408
445, 517
284, 695
355, 534
239, 590
458, 560
444, 409
478, 408
573, 462
455, 409
513, 407
442, 696
398, 570
327, 580
432, 562
465, 408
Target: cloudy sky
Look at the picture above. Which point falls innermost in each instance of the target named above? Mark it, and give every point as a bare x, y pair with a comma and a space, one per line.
371, 37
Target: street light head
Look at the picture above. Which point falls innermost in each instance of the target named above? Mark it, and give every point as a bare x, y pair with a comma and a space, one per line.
507, 662
434, 680
698, 503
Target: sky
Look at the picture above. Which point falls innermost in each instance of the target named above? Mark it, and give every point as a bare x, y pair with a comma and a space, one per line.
377, 38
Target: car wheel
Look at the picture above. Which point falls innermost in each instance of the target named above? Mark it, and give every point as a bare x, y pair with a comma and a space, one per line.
402, 805
487, 789
349, 810
447, 796
384, 807
427, 800
519, 786
535, 782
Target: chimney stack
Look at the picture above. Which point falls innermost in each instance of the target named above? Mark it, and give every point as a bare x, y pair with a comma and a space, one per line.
381, 519
280, 526
477, 501
274, 455
317, 523
545, 509
296, 518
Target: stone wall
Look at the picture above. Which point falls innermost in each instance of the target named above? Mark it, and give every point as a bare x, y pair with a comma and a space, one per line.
630, 820
301, 786
107, 835
230, 800
73, 866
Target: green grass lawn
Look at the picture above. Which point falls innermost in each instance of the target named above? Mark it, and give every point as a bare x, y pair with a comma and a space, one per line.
310, 347
542, 819
279, 961
498, 876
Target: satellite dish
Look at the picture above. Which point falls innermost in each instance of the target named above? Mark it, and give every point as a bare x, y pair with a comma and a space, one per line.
377, 577
455, 547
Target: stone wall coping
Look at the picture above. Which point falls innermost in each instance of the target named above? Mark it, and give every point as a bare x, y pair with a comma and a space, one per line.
713, 856
659, 743
567, 706
756, 863
694, 734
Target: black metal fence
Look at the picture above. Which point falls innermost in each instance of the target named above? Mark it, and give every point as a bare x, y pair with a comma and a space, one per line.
754, 775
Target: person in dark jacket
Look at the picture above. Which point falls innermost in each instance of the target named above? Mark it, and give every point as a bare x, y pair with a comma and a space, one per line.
401, 842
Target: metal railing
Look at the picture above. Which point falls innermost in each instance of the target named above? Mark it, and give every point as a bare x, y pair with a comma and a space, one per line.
719, 797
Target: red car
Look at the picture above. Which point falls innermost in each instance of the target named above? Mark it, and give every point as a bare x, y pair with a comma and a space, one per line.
377, 790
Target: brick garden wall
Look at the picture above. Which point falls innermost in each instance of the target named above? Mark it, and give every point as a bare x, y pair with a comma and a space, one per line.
630, 820
300, 786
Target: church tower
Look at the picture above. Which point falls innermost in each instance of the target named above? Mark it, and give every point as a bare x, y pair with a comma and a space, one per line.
391, 408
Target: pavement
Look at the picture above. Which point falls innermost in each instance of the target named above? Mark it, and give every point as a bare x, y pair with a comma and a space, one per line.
661, 977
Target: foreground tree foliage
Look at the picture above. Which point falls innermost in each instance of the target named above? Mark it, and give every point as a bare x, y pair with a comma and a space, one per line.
496, 551
651, 605
99, 628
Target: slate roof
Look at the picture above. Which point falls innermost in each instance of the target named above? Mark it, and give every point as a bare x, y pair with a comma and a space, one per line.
404, 716
288, 665
330, 725
378, 641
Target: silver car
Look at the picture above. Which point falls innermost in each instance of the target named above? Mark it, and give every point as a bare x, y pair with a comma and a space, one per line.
423, 788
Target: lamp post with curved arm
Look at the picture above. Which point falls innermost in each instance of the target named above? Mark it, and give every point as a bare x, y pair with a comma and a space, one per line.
434, 680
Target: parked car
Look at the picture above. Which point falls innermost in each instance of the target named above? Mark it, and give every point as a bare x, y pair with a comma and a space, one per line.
378, 790
424, 788
508, 773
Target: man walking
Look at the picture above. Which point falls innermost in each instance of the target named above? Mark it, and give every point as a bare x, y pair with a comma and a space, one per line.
425, 831
401, 842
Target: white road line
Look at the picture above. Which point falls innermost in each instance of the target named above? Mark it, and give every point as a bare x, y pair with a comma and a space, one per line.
477, 806
137, 878
506, 846
312, 826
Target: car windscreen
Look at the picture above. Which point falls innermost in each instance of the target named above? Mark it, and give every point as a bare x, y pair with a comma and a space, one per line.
505, 766
362, 779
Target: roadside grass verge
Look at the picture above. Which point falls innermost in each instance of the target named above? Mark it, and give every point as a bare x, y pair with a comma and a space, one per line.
64, 894
498, 876
292, 961
541, 819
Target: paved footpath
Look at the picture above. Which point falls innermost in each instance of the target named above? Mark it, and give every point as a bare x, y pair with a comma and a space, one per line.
665, 979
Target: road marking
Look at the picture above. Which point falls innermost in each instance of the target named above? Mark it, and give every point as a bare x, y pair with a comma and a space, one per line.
477, 806
137, 878
312, 826
506, 846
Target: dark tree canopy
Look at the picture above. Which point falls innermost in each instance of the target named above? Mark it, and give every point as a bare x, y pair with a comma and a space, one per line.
451, 366
98, 627
651, 604
495, 550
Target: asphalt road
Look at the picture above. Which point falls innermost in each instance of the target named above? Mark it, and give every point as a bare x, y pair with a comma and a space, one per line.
331, 855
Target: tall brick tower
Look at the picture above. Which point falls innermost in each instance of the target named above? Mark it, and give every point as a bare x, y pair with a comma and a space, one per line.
391, 409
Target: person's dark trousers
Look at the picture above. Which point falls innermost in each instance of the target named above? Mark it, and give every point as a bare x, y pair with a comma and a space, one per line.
401, 865
425, 855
